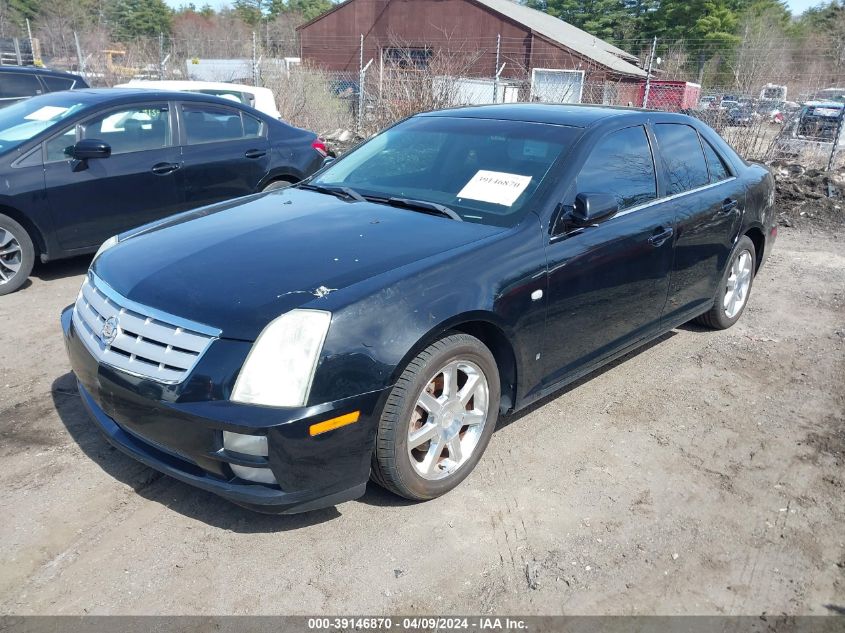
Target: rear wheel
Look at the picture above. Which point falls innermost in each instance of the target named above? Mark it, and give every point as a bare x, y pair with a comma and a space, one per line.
17, 255
734, 289
438, 418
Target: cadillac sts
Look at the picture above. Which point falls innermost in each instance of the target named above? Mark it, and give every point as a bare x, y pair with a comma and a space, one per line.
376, 319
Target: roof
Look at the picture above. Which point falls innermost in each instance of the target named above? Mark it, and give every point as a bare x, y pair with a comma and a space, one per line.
551, 28
35, 70
189, 84
571, 115
563, 33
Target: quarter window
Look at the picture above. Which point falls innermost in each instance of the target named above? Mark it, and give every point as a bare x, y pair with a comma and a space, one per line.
717, 167
212, 124
621, 164
55, 84
252, 127
683, 157
135, 129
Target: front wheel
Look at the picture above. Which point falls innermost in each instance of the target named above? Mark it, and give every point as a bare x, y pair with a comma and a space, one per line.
17, 255
734, 288
438, 419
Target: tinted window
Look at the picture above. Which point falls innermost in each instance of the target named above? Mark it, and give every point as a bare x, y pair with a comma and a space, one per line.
211, 124
484, 170
54, 84
717, 167
621, 164
682, 155
15, 85
252, 126
58, 147
133, 129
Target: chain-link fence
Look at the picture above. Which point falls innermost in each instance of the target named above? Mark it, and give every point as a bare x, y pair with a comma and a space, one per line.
768, 102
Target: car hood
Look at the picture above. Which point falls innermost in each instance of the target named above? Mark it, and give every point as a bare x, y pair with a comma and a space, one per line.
239, 265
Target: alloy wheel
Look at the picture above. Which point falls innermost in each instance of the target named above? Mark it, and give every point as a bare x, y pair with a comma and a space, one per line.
738, 285
448, 419
10, 256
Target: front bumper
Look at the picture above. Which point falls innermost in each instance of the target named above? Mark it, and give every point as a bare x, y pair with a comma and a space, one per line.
182, 436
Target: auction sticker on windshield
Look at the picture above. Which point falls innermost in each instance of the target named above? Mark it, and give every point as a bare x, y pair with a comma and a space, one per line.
495, 187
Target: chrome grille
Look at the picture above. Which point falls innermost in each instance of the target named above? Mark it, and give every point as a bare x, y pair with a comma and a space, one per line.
137, 339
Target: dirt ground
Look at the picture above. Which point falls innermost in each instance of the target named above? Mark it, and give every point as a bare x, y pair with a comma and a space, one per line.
702, 474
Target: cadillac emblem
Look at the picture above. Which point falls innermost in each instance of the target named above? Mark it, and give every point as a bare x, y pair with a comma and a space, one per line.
109, 331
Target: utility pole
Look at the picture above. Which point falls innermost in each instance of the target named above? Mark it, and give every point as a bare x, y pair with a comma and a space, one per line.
496, 68
254, 60
79, 58
648, 72
837, 139
160, 55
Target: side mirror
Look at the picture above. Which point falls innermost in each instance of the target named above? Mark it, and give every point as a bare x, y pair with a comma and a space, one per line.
592, 208
91, 148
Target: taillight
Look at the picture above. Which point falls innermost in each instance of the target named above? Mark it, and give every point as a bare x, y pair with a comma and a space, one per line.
320, 145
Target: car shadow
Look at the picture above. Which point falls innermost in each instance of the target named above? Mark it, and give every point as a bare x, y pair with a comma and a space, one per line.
180, 497
72, 267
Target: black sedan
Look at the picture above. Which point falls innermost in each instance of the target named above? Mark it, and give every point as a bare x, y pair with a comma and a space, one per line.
22, 82
82, 165
376, 319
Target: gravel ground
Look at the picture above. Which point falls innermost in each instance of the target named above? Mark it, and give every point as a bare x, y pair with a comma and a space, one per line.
702, 474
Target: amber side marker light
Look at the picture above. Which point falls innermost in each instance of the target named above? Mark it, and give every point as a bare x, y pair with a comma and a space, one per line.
334, 423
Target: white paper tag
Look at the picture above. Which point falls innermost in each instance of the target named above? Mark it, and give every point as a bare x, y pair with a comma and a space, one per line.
495, 187
45, 113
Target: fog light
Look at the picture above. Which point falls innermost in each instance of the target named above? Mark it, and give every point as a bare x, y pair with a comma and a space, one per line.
246, 444
255, 445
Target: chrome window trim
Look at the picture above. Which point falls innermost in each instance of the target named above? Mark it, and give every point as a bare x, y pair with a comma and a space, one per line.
158, 315
674, 196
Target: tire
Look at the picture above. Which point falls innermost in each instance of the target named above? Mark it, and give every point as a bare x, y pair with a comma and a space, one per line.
741, 265
413, 474
17, 255
276, 184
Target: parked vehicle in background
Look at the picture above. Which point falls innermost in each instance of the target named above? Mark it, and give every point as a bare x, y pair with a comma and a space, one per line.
814, 127
82, 165
705, 103
773, 92
830, 94
728, 104
261, 99
378, 317
741, 116
22, 82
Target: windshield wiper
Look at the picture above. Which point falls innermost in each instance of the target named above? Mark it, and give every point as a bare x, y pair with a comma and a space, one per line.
346, 193
423, 206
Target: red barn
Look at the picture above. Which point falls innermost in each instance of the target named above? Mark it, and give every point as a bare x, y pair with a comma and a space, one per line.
562, 62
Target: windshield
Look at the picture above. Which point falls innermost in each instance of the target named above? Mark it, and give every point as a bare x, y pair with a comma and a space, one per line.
25, 120
484, 170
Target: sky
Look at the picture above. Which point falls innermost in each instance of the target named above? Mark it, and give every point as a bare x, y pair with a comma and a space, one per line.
797, 6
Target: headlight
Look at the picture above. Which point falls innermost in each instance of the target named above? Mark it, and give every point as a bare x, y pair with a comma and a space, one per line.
280, 366
112, 241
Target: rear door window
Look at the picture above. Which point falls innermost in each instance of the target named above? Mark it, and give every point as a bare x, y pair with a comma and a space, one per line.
212, 124
621, 164
17, 85
683, 157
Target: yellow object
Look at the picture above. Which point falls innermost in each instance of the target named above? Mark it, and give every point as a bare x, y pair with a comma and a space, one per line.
334, 423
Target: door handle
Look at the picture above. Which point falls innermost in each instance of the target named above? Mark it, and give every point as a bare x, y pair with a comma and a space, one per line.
659, 238
162, 169
729, 205
255, 153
